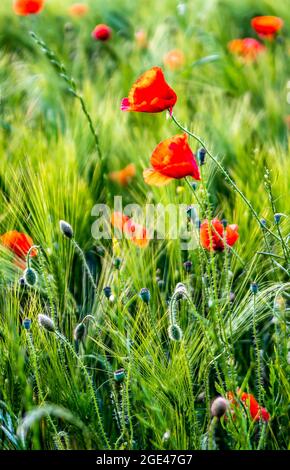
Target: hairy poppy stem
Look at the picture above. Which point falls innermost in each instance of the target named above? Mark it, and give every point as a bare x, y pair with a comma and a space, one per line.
225, 173
59, 66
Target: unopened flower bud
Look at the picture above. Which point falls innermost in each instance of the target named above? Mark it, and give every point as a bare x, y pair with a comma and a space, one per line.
145, 295
107, 291
187, 266
277, 217
224, 222
175, 332
79, 332
66, 229
263, 223
201, 156
119, 375
30, 277
26, 323
254, 288
46, 322
219, 407
117, 263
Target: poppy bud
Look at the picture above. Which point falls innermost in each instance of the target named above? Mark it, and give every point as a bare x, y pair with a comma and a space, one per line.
46, 322
194, 185
254, 288
201, 156
102, 32
187, 266
263, 223
145, 295
66, 229
79, 332
161, 284
175, 332
107, 292
219, 407
26, 323
224, 222
117, 263
277, 217
119, 375
30, 277
21, 282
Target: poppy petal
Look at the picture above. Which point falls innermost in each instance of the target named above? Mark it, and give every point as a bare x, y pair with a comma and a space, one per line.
155, 178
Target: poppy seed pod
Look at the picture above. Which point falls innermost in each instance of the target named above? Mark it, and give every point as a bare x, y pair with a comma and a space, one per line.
26, 323
79, 332
30, 277
145, 295
119, 375
66, 229
175, 332
219, 407
107, 291
46, 322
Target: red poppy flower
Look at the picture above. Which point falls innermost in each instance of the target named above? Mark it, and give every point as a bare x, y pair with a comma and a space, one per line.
124, 176
171, 159
248, 48
257, 412
28, 7
150, 94
19, 244
102, 32
212, 235
134, 231
267, 26
78, 9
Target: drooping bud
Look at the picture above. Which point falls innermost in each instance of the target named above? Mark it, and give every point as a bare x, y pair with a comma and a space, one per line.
119, 375
187, 266
46, 322
224, 222
30, 277
277, 217
219, 407
117, 263
175, 332
263, 223
79, 332
145, 295
66, 229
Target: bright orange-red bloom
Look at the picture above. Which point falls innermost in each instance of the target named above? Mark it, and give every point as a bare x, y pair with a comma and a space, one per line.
257, 412
248, 48
78, 9
102, 32
174, 59
213, 235
28, 7
171, 159
134, 231
150, 94
124, 176
267, 26
19, 243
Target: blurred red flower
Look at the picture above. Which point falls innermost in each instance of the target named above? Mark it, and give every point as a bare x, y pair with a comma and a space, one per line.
248, 48
28, 7
78, 9
267, 26
257, 412
213, 235
134, 231
150, 94
124, 176
102, 32
171, 159
19, 243
141, 39
174, 59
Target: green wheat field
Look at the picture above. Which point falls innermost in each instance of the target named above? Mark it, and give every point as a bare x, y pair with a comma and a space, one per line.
106, 344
